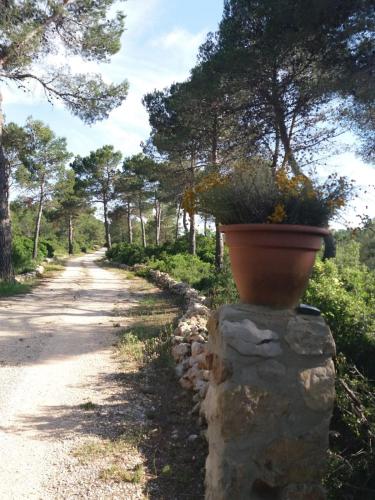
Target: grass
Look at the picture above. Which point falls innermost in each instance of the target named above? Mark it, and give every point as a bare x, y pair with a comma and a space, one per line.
130, 347
10, 289
149, 335
120, 474
89, 405
52, 267
101, 448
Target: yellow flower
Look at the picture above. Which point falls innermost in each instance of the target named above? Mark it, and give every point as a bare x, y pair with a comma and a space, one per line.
278, 215
210, 181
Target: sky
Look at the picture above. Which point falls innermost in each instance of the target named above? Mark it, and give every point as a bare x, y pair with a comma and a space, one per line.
159, 47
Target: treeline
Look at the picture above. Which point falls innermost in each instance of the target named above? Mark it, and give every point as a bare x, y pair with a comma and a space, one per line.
49, 215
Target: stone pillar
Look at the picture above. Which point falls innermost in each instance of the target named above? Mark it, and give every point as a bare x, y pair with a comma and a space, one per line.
268, 405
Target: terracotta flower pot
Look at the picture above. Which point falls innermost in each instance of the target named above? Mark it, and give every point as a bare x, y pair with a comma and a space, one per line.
271, 263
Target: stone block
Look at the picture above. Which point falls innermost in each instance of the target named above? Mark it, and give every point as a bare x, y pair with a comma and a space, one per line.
318, 386
310, 336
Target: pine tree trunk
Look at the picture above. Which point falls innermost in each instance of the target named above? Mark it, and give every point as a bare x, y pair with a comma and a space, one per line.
70, 236
192, 235
184, 222
157, 221
6, 268
178, 213
130, 226
205, 225
219, 248
38, 220
282, 133
143, 229
219, 241
108, 242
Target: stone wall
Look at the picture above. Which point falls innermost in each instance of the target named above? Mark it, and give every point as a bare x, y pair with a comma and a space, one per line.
24, 277
190, 348
268, 405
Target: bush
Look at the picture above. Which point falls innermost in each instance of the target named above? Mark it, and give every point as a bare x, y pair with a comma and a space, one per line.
184, 267
22, 251
344, 297
124, 253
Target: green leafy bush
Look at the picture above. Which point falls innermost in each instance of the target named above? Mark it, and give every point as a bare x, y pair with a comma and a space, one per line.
131, 254
184, 267
125, 253
344, 296
22, 251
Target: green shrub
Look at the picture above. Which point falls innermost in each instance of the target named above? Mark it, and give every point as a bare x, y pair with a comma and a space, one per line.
345, 299
46, 248
22, 250
184, 267
220, 286
125, 253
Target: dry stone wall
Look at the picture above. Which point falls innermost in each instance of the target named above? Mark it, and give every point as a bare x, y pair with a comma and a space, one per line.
190, 343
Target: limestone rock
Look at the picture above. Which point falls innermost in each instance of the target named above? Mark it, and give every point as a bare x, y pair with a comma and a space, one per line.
243, 407
198, 310
183, 329
181, 368
202, 361
271, 370
221, 369
193, 373
186, 383
39, 270
247, 339
318, 386
180, 350
177, 339
197, 348
195, 337
310, 336
290, 460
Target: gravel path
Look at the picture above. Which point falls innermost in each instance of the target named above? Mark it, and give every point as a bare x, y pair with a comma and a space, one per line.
55, 355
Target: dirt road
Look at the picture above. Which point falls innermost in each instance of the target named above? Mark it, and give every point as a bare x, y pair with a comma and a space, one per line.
56, 355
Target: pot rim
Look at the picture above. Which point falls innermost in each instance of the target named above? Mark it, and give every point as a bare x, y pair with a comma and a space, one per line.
282, 228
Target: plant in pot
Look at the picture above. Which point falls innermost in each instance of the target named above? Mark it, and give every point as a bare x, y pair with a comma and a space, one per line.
273, 222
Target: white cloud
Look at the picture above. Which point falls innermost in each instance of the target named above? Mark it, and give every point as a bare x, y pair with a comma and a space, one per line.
180, 44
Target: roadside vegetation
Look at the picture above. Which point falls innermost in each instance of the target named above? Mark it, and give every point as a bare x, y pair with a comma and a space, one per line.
10, 289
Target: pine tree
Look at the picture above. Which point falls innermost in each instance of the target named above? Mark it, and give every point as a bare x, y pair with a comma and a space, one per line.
96, 177
29, 32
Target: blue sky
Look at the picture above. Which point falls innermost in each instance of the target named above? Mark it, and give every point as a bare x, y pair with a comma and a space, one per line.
159, 47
